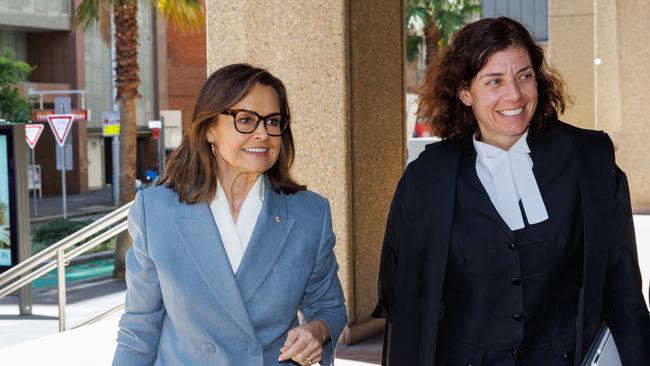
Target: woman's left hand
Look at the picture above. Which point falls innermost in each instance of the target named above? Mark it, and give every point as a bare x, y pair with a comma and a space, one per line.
304, 343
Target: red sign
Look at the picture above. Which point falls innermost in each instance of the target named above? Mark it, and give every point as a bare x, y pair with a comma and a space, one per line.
155, 133
60, 125
40, 115
33, 133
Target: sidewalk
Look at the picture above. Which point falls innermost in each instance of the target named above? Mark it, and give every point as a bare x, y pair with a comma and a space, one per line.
34, 340
94, 202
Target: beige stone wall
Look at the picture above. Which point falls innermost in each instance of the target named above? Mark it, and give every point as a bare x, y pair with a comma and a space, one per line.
342, 65
611, 95
571, 51
378, 151
624, 78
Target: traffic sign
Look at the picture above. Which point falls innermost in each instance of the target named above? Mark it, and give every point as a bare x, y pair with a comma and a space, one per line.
155, 133
110, 124
60, 125
33, 133
40, 115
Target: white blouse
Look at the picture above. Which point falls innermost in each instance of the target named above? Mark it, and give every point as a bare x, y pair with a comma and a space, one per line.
508, 178
236, 235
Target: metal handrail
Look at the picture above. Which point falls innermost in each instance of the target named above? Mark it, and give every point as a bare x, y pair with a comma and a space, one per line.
101, 316
55, 256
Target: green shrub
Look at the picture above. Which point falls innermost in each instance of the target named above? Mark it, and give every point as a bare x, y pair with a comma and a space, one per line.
57, 229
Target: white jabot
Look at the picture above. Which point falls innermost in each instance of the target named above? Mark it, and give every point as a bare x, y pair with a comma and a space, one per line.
236, 235
508, 178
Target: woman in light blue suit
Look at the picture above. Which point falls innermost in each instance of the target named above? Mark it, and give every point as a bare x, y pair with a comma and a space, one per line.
228, 248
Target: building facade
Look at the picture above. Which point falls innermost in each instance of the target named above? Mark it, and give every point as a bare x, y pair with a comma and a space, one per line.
172, 68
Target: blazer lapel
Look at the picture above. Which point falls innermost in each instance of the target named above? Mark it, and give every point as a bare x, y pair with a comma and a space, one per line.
269, 238
201, 238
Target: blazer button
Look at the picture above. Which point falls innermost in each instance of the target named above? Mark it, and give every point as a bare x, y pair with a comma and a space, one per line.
517, 317
516, 280
514, 351
512, 245
567, 356
209, 348
254, 349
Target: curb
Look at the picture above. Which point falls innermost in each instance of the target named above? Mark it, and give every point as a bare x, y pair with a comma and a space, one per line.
98, 211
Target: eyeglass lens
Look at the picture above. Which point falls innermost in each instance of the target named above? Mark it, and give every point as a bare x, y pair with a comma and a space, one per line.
247, 122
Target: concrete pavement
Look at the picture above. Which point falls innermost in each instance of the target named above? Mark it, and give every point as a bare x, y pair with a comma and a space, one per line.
34, 340
94, 202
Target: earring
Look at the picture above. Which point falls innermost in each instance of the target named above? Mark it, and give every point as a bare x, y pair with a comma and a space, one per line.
212, 148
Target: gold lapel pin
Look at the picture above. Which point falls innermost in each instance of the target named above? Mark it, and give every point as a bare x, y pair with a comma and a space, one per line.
277, 219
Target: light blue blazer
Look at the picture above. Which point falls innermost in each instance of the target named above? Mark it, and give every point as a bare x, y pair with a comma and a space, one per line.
184, 305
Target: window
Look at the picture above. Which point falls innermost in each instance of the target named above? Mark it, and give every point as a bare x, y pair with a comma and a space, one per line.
531, 13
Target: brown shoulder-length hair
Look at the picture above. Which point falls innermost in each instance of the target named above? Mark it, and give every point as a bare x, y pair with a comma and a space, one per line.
191, 168
457, 65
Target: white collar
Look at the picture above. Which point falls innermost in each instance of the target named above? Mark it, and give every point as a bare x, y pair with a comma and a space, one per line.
236, 236
507, 176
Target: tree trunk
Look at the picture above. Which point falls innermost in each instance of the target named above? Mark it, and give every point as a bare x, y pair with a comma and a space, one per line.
127, 82
128, 142
431, 37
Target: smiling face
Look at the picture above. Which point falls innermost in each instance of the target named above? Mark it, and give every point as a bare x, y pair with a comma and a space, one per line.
237, 153
503, 97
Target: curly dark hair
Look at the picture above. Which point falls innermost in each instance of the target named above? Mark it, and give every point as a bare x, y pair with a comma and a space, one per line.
458, 64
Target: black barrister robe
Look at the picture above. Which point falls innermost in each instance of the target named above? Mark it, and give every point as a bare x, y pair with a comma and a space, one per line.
416, 243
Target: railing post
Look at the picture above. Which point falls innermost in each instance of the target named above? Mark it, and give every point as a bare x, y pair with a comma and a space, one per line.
60, 276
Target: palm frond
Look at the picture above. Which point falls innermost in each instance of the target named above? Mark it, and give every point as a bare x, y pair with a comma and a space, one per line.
87, 13
413, 43
95, 12
183, 14
416, 12
105, 21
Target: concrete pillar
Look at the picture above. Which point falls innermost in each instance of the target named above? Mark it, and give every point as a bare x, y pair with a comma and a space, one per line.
571, 52
623, 79
600, 48
342, 63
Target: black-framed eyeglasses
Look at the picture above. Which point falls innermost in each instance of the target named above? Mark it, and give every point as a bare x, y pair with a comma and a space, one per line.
247, 121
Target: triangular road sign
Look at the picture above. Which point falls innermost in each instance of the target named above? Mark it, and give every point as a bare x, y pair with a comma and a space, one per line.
33, 133
60, 125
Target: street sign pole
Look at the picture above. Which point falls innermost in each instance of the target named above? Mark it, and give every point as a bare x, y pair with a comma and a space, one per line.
33, 182
63, 190
61, 124
63, 105
32, 134
115, 150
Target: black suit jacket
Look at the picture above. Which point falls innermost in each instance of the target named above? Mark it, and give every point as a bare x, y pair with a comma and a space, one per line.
416, 242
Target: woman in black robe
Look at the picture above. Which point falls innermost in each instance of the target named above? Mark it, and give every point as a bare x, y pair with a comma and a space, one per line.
511, 241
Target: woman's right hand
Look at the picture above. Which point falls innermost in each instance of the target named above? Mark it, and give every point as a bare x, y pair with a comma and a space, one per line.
304, 343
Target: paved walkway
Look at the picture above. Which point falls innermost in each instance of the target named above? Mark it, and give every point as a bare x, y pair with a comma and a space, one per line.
34, 340
94, 202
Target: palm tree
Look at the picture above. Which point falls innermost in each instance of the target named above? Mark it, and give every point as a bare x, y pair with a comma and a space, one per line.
184, 14
441, 19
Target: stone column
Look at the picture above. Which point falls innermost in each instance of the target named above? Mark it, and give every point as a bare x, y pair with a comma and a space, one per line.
600, 48
571, 51
622, 89
342, 63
